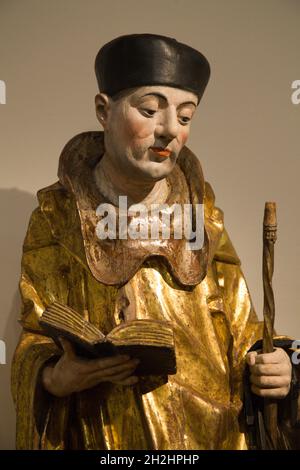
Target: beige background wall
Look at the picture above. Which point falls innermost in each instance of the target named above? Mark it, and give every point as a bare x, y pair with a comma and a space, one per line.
246, 133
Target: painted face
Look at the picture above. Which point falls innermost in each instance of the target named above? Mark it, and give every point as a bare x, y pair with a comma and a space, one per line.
146, 129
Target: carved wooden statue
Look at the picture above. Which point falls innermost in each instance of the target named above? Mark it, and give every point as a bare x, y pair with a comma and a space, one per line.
149, 89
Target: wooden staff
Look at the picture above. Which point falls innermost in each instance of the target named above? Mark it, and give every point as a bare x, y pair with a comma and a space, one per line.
269, 238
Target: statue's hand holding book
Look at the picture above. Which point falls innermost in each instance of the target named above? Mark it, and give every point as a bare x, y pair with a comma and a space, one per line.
150, 341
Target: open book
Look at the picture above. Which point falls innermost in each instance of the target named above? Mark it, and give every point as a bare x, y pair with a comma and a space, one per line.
150, 341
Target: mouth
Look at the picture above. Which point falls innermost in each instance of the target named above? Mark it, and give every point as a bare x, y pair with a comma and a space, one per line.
161, 152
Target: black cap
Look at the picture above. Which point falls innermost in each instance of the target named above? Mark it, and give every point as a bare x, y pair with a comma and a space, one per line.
150, 59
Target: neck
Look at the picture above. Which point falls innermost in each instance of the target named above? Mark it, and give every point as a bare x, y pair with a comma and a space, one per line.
113, 183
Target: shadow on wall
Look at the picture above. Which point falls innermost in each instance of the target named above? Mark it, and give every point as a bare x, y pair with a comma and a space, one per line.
16, 207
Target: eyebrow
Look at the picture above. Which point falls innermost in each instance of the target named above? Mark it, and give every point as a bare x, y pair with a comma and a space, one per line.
160, 95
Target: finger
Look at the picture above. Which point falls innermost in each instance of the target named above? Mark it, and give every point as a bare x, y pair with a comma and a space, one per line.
67, 347
274, 357
277, 393
130, 365
119, 377
264, 381
270, 369
106, 362
99, 376
111, 371
132, 380
95, 365
250, 358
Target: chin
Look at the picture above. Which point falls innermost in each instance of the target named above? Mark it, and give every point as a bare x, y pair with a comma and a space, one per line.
157, 171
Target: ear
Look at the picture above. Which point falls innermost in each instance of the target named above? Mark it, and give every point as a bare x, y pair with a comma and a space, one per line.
102, 103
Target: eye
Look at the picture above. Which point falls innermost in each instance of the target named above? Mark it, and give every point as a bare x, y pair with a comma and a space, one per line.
184, 120
148, 112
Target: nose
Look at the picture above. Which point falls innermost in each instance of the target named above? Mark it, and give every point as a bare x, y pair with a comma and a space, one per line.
168, 126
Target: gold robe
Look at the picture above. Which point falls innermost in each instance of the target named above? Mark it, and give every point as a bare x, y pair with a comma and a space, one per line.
205, 296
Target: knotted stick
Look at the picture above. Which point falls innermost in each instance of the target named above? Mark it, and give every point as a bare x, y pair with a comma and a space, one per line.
269, 238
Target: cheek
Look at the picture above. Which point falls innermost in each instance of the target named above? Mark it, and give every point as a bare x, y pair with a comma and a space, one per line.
184, 134
138, 127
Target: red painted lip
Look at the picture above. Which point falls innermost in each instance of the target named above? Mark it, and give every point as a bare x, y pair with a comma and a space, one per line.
161, 151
